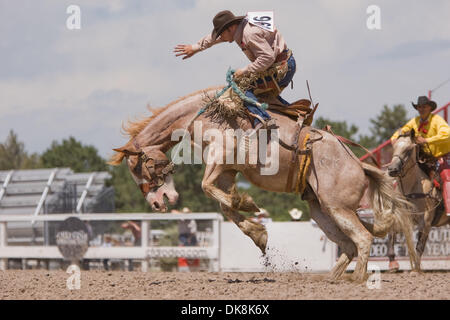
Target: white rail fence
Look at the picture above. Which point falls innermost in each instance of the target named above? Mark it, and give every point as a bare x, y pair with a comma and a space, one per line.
301, 245
143, 252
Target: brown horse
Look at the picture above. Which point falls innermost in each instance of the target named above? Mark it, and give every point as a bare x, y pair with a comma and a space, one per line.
335, 182
417, 186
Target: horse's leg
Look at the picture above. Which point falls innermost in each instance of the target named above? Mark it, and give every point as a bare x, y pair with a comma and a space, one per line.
228, 197
393, 264
424, 230
231, 202
256, 231
350, 225
332, 231
338, 179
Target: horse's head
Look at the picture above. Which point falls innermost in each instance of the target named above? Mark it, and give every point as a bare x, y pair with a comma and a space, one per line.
151, 170
404, 152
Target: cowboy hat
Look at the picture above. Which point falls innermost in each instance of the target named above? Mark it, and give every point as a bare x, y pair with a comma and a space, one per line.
262, 212
223, 20
295, 213
423, 100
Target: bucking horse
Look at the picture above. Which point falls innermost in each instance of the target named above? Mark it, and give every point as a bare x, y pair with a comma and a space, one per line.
327, 174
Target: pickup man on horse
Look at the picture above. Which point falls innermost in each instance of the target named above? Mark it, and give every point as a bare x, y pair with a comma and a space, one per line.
433, 135
263, 45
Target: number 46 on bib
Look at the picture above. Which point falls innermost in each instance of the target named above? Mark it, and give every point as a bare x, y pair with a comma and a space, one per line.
262, 19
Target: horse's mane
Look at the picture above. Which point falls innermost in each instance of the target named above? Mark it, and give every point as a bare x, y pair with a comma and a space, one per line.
133, 128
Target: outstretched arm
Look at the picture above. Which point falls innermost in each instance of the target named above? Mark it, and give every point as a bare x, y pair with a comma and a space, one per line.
187, 50
184, 50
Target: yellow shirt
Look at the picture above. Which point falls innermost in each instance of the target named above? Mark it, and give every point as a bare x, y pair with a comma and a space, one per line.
436, 133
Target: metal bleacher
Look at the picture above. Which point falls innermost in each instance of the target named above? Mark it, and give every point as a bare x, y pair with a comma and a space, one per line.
47, 191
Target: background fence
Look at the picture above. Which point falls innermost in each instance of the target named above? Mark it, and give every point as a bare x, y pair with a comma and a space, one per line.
292, 246
144, 252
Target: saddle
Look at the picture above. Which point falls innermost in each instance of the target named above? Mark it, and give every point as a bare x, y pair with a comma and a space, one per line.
299, 108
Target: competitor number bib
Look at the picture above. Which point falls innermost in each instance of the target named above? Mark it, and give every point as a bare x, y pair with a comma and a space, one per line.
262, 19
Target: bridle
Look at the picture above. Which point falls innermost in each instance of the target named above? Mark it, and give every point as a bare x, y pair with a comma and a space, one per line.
403, 172
404, 160
150, 164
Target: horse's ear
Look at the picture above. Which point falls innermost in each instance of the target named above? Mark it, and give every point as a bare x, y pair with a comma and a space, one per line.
412, 134
128, 150
122, 152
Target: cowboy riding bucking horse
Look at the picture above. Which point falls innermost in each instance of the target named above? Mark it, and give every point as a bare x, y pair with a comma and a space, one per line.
272, 63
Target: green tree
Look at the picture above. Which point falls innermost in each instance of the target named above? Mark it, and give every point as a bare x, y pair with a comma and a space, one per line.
340, 128
389, 120
369, 142
81, 158
73, 154
14, 156
188, 182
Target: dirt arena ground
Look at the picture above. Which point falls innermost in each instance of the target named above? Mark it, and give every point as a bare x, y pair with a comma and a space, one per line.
42, 284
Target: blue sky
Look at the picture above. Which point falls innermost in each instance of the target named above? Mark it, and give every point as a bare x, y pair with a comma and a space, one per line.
56, 82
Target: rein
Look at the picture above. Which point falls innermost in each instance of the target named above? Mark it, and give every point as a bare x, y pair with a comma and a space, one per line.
403, 172
352, 143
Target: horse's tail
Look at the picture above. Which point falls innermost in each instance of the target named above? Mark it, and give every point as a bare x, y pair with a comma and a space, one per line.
390, 209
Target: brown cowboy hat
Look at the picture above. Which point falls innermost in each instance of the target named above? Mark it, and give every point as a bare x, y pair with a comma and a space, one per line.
223, 20
422, 101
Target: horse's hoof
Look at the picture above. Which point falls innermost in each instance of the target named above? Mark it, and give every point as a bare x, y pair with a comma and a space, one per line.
332, 278
393, 266
358, 278
415, 273
262, 242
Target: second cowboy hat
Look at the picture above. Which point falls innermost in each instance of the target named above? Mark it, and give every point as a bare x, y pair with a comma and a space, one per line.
295, 213
223, 20
423, 100
262, 212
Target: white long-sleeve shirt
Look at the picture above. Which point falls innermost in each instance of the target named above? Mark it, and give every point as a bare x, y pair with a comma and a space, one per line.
260, 46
